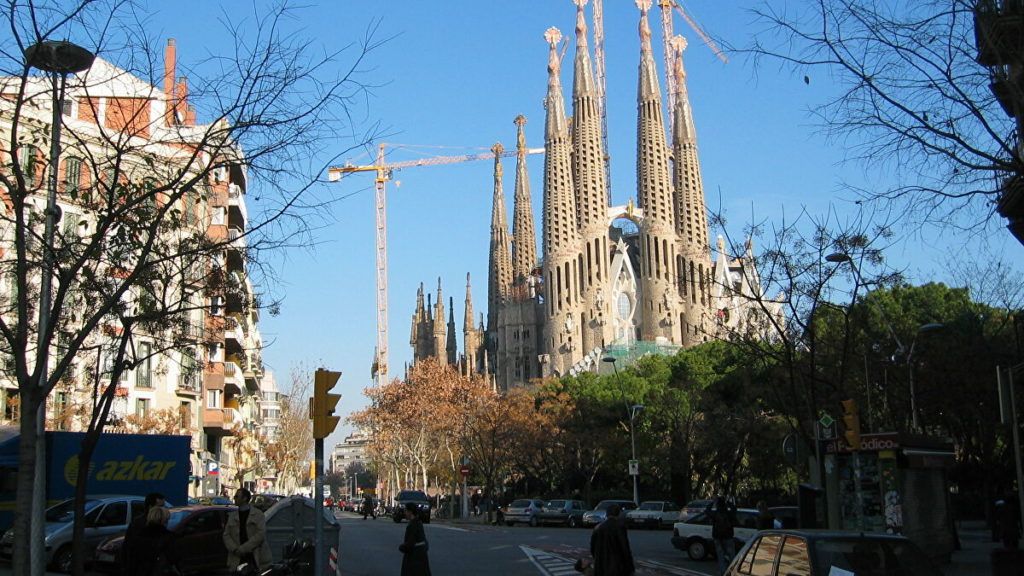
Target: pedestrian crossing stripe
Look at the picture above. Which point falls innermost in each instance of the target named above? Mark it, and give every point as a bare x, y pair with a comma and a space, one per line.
549, 564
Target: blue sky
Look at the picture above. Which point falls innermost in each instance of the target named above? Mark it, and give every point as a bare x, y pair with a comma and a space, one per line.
454, 75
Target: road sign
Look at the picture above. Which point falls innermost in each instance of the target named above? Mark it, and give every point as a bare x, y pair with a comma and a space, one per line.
634, 467
464, 470
826, 420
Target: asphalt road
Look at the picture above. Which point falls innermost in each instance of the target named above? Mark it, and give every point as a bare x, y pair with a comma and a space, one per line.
370, 547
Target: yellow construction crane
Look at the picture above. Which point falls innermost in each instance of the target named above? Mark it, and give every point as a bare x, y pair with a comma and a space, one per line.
383, 172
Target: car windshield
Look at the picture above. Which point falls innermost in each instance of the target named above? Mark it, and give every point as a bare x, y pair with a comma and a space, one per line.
875, 557
411, 495
520, 504
604, 504
65, 511
651, 506
556, 504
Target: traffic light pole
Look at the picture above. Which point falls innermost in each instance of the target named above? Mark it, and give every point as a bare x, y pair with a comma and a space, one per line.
318, 508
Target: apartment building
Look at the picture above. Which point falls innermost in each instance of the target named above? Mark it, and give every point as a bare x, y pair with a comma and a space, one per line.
201, 373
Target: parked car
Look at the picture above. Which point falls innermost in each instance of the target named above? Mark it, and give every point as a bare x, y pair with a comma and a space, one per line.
417, 497
105, 516
600, 512
693, 508
214, 501
199, 545
786, 516
526, 510
694, 535
564, 512
653, 514
826, 552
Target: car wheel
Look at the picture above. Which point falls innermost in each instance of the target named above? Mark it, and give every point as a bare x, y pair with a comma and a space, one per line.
533, 521
573, 522
697, 549
62, 559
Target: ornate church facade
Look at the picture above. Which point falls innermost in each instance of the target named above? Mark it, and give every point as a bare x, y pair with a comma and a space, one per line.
614, 280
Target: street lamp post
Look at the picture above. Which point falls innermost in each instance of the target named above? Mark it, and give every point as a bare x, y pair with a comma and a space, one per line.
901, 349
58, 58
910, 377
631, 411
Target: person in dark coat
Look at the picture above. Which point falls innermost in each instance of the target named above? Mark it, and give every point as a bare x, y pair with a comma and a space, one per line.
414, 547
154, 553
723, 519
609, 545
138, 523
765, 518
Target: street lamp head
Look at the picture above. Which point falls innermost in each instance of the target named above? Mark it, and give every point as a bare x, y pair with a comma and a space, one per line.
58, 56
930, 326
608, 359
838, 257
638, 407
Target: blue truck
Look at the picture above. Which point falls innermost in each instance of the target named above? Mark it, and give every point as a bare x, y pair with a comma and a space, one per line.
121, 464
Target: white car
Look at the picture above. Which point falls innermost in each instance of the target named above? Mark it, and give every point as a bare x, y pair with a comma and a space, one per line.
694, 535
653, 514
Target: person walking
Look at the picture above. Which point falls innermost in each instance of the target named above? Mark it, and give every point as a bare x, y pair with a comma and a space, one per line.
245, 535
154, 550
723, 519
368, 507
135, 528
414, 547
474, 501
609, 546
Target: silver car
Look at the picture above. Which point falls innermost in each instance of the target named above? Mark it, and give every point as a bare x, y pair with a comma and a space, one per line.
600, 512
525, 510
105, 516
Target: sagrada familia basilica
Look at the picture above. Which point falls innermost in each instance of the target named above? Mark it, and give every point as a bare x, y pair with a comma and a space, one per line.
612, 280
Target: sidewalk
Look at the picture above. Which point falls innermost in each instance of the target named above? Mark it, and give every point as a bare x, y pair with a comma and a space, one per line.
975, 555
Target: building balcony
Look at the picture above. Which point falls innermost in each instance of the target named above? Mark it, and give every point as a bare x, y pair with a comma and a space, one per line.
191, 387
999, 32
1011, 205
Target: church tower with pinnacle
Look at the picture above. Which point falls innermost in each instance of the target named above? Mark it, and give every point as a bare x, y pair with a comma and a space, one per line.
620, 280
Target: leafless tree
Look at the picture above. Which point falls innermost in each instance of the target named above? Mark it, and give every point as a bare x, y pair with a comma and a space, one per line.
131, 255
906, 99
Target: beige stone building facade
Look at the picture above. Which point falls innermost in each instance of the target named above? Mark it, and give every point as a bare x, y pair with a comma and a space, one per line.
210, 385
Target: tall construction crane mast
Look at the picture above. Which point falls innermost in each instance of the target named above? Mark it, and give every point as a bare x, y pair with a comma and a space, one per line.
670, 53
383, 174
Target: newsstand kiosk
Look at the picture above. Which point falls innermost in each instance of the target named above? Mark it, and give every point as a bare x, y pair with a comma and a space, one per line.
895, 484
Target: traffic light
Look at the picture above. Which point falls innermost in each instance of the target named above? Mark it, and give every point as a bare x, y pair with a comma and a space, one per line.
852, 419
322, 403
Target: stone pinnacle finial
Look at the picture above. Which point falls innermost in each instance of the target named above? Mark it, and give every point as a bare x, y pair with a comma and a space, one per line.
553, 37
520, 123
497, 148
644, 5
581, 21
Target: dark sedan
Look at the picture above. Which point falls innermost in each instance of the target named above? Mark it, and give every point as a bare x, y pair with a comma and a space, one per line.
199, 546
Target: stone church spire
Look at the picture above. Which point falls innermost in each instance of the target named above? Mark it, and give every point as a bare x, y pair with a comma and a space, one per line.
560, 231
691, 211
500, 263
451, 346
440, 340
591, 190
659, 300
524, 236
472, 338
